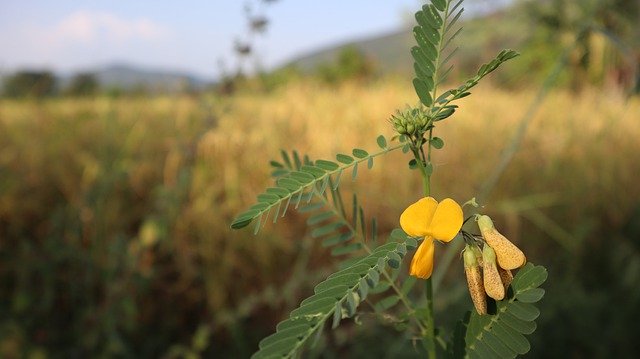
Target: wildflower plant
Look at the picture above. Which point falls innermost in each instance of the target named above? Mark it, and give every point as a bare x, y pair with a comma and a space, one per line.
372, 274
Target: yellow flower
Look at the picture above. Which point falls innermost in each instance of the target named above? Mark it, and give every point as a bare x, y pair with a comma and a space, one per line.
432, 220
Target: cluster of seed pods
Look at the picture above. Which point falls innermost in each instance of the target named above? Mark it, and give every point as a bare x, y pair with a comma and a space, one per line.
488, 271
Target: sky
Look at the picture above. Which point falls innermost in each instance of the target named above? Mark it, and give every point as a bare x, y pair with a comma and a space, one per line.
190, 36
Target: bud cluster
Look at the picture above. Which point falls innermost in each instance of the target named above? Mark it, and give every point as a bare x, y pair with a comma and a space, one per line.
488, 271
411, 122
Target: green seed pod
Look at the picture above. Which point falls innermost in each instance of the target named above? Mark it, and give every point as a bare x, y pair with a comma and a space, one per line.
492, 282
474, 281
509, 256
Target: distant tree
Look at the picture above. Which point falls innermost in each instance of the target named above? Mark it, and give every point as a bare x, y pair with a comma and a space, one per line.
30, 84
350, 63
83, 84
606, 35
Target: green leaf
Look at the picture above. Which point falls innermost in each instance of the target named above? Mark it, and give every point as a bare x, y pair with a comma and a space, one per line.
293, 332
423, 91
346, 159
336, 292
327, 165
320, 217
327, 302
302, 177
326, 229
346, 249
423, 61
531, 295
513, 339
337, 238
524, 311
517, 324
437, 143
310, 207
268, 198
289, 184
502, 334
279, 191
360, 153
286, 159
440, 4
301, 184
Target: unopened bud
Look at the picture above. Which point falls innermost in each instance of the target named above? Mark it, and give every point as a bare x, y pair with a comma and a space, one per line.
474, 280
509, 256
492, 282
410, 128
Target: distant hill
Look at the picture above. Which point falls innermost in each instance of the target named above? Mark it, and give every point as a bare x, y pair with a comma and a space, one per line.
482, 37
129, 77
389, 52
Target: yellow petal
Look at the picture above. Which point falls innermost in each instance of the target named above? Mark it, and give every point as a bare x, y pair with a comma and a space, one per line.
422, 262
416, 218
447, 220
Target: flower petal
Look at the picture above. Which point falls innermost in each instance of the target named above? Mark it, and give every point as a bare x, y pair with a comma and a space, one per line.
422, 262
447, 220
416, 218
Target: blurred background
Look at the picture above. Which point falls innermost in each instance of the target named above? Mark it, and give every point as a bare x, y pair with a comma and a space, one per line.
132, 133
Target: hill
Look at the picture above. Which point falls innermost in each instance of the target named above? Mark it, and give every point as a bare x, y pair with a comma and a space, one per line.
129, 77
483, 37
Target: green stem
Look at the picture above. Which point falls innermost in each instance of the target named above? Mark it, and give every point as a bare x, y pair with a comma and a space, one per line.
430, 332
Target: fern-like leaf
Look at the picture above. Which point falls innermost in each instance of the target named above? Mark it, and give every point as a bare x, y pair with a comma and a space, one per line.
443, 108
502, 335
337, 297
432, 34
302, 177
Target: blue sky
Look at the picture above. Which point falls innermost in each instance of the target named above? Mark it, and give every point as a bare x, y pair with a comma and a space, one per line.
189, 35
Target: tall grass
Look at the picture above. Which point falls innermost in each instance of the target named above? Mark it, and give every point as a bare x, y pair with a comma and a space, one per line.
114, 213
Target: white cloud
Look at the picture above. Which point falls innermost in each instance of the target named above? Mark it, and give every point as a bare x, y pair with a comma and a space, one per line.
86, 27
82, 39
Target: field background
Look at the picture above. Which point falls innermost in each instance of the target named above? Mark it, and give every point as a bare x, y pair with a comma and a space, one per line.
115, 210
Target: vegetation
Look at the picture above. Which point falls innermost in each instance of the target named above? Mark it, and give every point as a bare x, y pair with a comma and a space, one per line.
124, 235
83, 84
35, 84
114, 212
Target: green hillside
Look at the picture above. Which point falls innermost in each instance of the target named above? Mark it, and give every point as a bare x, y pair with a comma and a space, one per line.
482, 37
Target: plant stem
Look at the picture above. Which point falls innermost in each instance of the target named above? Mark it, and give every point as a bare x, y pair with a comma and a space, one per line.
430, 332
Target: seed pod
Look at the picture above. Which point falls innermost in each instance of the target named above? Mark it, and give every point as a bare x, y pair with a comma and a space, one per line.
509, 256
492, 282
474, 281
506, 277
478, 253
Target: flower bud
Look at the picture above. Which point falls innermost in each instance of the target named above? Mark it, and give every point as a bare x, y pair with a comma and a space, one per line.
474, 280
492, 282
509, 256
410, 128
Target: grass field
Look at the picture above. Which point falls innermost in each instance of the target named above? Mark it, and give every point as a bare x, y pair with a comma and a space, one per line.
115, 212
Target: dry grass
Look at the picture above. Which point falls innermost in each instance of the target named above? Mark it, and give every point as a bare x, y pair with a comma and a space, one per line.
167, 175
